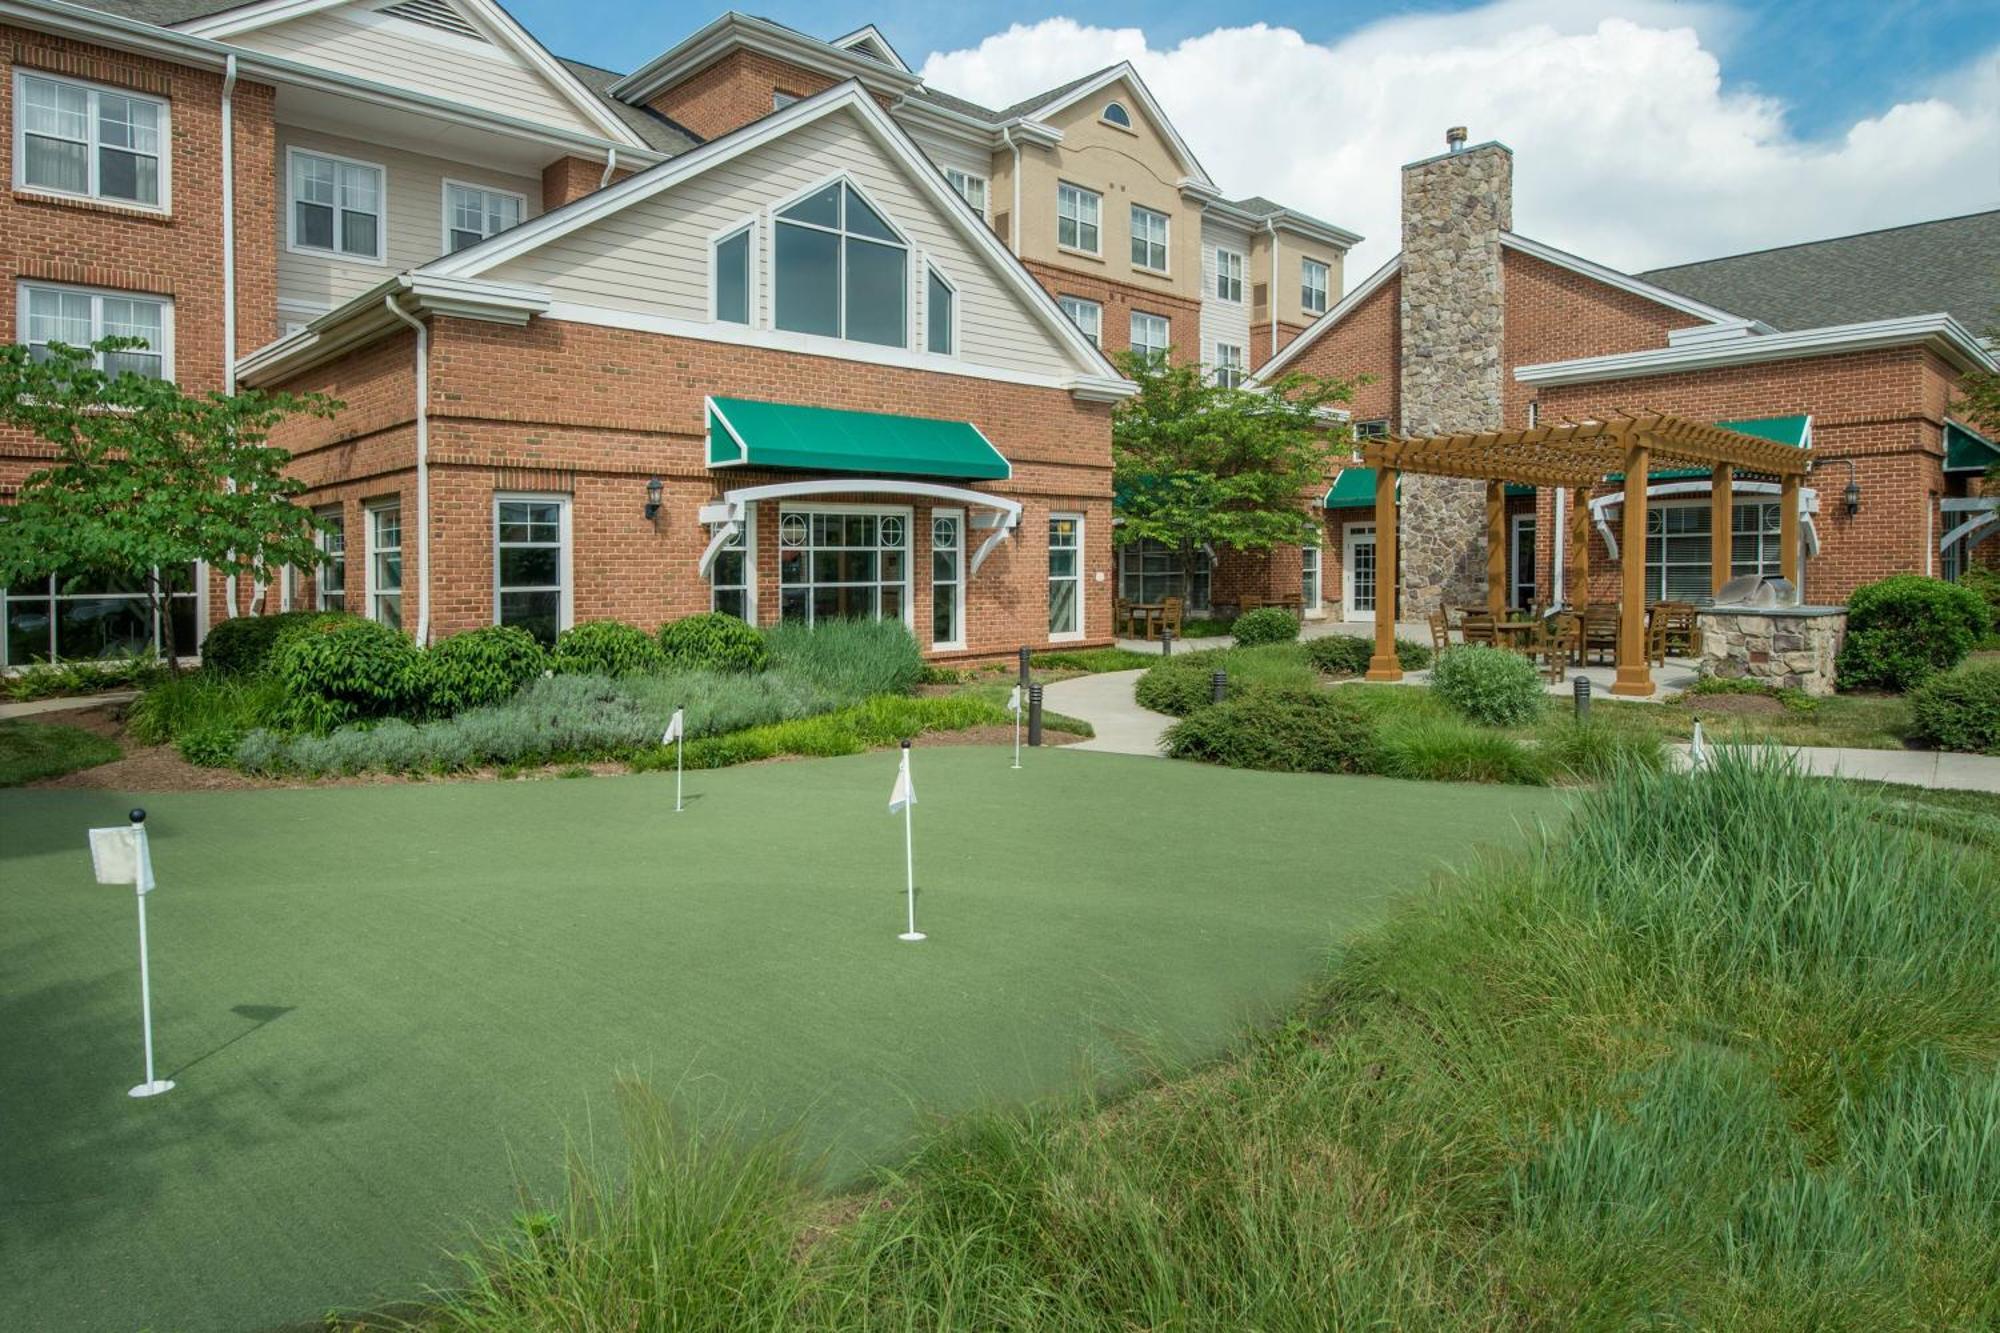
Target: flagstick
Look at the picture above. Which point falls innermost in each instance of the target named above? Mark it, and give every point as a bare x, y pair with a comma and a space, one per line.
1017, 738
909, 862
680, 745
152, 1086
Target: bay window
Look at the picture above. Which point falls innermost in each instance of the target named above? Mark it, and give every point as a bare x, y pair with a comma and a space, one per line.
99, 143
842, 271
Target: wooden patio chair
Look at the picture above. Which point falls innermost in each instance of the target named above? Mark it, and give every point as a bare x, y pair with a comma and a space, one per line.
1477, 627
1169, 617
1600, 633
1683, 628
1656, 634
1557, 642
1121, 619
1440, 632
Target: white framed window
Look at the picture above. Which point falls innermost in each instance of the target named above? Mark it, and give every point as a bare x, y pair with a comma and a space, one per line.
474, 212
732, 579
1115, 114
385, 563
732, 253
1229, 275
1312, 286
1151, 335
1149, 571
842, 271
1149, 239
1309, 584
1677, 546
1375, 429
330, 580
947, 578
1229, 365
336, 206
531, 565
940, 313
90, 141
844, 560
1078, 212
1086, 315
73, 616
79, 316
970, 188
1065, 576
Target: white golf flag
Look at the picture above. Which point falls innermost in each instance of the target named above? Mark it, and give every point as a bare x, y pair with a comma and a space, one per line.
674, 725
1014, 700
903, 794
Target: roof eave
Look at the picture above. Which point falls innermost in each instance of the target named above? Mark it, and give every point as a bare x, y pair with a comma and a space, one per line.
733, 30
365, 317
1939, 332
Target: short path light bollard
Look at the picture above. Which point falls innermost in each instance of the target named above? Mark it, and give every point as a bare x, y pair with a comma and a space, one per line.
1034, 715
1166, 642
1582, 688
1024, 666
1218, 687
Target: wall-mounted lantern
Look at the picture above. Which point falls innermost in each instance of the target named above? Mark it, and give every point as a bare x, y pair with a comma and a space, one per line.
653, 490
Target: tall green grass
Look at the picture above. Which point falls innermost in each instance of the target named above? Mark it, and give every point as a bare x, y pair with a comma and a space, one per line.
851, 658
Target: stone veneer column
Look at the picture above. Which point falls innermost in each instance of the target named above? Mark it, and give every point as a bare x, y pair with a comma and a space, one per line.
1454, 208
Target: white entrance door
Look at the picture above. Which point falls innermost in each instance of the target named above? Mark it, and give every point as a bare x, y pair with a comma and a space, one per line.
1357, 572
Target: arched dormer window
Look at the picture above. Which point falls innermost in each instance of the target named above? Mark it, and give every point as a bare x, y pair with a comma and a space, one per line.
1116, 113
842, 271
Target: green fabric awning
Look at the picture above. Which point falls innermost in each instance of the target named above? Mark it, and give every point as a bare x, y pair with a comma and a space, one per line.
746, 433
1793, 430
1966, 450
1354, 488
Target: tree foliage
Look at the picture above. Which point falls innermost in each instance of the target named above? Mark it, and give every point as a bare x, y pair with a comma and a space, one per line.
1197, 464
1979, 404
148, 475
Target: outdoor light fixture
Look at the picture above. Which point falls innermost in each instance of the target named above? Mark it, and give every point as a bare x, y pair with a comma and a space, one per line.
1852, 496
653, 489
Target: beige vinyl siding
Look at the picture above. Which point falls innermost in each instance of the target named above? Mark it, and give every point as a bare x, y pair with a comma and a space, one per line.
1224, 321
960, 156
414, 227
652, 258
356, 40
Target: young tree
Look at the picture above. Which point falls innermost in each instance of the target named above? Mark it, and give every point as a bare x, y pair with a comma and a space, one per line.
147, 476
1979, 403
1199, 465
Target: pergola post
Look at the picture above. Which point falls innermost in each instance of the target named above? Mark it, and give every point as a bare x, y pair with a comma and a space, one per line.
1721, 525
1383, 665
1635, 674
1579, 547
1788, 528
1496, 548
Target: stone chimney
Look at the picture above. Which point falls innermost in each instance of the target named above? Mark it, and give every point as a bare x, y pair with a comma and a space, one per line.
1454, 208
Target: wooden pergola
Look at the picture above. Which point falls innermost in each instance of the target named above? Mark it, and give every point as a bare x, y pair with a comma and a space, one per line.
1580, 456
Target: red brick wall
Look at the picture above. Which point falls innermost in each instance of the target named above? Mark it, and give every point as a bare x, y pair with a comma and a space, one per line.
595, 413
1119, 301
736, 89
569, 178
1260, 340
1367, 343
1555, 314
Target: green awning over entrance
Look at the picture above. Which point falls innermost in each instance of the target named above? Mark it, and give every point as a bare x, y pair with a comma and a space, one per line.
1966, 450
746, 433
1354, 488
1795, 431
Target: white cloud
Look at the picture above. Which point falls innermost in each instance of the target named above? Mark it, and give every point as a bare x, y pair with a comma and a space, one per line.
1628, 148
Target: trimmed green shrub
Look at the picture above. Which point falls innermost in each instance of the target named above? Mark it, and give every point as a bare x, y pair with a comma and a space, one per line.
1906, 629
1490, 686
343, 670
1347, 655
713, 641
1986, 583
1594, 752
1445, 749
1284, 731
606, 648
852, 658
212, 746
1960, 710
479, 667
243, 646
1267, 624
1177, 686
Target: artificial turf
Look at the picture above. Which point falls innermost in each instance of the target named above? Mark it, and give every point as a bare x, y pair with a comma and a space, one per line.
387, 1005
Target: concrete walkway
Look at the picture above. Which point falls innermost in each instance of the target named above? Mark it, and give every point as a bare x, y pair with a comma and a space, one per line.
63, 705
1105, 701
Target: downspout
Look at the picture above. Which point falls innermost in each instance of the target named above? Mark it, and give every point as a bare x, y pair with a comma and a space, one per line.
610, 165
423, 466
229, 267
1014, 219
1271, 225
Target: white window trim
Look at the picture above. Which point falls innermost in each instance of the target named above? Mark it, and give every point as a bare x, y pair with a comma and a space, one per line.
1078, 249
749, 569
444, 205
1082, 583
909, 548
1132, 328
1240, 276
368, 552
752, 306
97, 295
985, 190
1104, 117
565, 568
1325, 287
1166, 239
1317, 606
165, 206
770, 242
1096, 338
1241, 365
320, 570
921, 334
296, 151
958, 588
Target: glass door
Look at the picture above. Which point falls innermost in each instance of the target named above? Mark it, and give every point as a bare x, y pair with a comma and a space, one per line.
1357, 572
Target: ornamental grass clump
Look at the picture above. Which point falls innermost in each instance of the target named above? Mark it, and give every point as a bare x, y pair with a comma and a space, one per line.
1449, 749
1490, 686
852, 658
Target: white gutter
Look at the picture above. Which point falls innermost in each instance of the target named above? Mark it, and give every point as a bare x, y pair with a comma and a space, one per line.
229, 279
1271, 225
423, 466
610, 165
1939, 331
1014, 220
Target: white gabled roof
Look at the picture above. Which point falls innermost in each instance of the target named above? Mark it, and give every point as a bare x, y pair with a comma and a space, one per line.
497, 21
868, 35
1943, 334
1123, 70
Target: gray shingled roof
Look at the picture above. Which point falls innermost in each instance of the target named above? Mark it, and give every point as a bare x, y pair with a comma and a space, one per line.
1260, 206
164, 13
1952, 265
1004, 114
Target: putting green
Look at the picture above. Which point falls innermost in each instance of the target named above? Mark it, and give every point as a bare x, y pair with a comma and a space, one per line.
385, 1005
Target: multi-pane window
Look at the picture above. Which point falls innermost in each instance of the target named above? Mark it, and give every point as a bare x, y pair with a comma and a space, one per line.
1309, 589
970, 188
1065, 575
385, 565
1229, 365
336, 206
332, 577
78, 318
732, 277
78, 139
842, 563
472, 213
530, 568
1150, 335
1375, 429
947, 579
842, 271
940, 314
1151, 572
1149, 239
1229, 275
1312, 286
729, 577
1678, 566
1086, 315
75, 616
1077, 214
1116, 114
